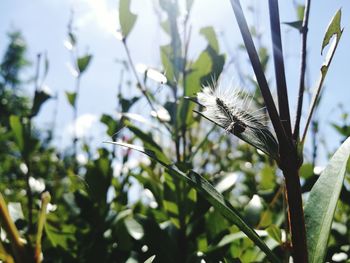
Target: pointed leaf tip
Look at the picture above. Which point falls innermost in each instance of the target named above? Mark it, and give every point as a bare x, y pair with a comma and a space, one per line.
334, 28
126, 18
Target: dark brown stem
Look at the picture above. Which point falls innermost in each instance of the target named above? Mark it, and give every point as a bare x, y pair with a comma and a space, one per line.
304, 31
296, 214
259, 73
281, 83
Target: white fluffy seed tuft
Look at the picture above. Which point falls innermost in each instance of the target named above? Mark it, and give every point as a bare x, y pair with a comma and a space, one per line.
230, 108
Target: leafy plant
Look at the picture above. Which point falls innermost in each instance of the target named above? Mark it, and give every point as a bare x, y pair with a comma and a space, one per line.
190, 192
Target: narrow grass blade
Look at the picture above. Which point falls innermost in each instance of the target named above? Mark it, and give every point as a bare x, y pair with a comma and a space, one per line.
213, 197
320, 207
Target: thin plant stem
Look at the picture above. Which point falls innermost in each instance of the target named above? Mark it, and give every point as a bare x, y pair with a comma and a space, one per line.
17, 245
140, 85
279, 67
259, 73
4, 256
75, 116
318, 92
29, 196
45, 199
274, 200
288, 247
288, 155
186, 40
26, 157
304, 32
54, 117
200, 145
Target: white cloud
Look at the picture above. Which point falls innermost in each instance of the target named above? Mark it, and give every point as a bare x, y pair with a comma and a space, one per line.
84, 125
102, 13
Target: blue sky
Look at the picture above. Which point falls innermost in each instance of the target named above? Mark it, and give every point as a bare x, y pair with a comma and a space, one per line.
44, 26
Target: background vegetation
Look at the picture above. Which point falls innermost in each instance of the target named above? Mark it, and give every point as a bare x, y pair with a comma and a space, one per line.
92, 216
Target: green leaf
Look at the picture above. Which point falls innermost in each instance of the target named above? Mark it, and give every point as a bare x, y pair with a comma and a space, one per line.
212, 196
18, 131
39, 98
343, 130
334, 28
321, 204
275, 233
300, 12
46, 65
306, 170
201, 67
71, 97
172, 61
126, 18
150, 259
230, 238
268, 178
98, 178
112, 124
209, 34
295, 24
204, 71
149, 143
128, 103
134, 228
83, 63
72, 38
59, 236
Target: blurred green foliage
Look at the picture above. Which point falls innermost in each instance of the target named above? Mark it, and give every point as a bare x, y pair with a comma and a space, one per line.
92, 216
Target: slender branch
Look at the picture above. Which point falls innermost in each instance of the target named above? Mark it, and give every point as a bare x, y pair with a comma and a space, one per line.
29, 194
45, 199
17, 245
75, 115
186, 41
318, 89
270, 206
259, 73
26, 157
279, 67
200, 145
288, 162
140, 86
54, 117
304, 31
4, 256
